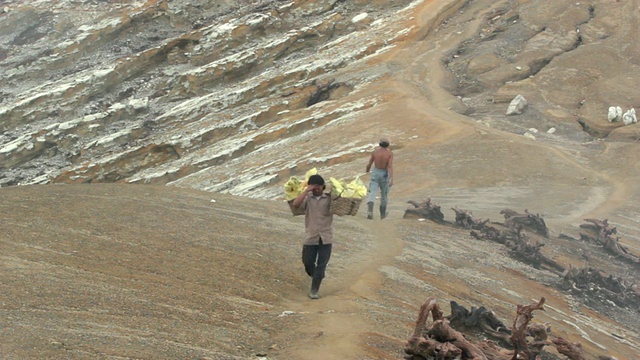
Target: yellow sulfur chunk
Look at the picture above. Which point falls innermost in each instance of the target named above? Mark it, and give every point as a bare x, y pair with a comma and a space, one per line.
337, 187
292, 188
354, 189
313, 171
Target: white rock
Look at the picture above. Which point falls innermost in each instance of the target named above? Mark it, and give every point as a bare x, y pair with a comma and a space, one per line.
551, 130
359, 17
517, 105
630, 117
533, 130
362, 21
615, 114
529, 135
139, 104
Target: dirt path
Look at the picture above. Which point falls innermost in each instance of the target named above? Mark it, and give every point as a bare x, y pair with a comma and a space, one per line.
333, 325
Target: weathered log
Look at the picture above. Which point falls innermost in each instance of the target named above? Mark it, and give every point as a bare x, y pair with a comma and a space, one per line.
423, 347
441, 341
441, 331
572, 351
495, 352
533, 222
430, 306
425, 210
465, 220
591, 284
600, 233
490, 232
519, 246
525, 314
420, 344
539, 332
478, 318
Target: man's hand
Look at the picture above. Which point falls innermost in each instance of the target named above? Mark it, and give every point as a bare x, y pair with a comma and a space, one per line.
310, 189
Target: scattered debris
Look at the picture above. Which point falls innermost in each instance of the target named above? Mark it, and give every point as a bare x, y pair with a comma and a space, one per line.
522, 341
425, 210
594, 286
520, 245
529, 221
465, 220
598, 232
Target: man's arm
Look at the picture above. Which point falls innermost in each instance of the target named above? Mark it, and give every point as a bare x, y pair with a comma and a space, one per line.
300, 198
370, 163
390, 169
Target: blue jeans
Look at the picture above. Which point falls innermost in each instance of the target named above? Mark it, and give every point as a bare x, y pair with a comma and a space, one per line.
379, 180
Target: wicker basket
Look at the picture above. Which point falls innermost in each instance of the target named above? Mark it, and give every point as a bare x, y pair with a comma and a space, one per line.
295, 211
339, 206
345, 206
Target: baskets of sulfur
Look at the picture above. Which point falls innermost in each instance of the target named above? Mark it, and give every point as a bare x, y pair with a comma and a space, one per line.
295, 187
345, 197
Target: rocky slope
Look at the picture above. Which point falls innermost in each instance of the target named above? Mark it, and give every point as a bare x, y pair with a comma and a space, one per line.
234, 97
170, 92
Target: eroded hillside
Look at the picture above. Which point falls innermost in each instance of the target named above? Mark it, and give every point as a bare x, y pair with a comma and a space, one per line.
227, 96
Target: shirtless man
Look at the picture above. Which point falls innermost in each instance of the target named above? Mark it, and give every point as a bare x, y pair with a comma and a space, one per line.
381, 177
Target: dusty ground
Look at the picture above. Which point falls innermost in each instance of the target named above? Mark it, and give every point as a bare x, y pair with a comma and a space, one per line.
146, 272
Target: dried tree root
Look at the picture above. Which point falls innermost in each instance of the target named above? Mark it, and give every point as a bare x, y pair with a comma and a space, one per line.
441, 341
591, 283
465, 220
599, 232
425, 210
572, 351
530, 221
519, 329
479, 318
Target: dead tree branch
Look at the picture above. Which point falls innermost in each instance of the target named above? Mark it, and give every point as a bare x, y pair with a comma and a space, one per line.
532, 222
425, 210
439, 339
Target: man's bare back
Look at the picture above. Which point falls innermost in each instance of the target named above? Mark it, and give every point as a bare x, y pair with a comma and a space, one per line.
381, 177
382, 158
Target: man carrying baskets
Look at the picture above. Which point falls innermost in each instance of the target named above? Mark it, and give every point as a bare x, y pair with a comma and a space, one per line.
318, 220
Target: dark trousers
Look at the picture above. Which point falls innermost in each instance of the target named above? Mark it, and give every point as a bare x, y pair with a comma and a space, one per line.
315, 259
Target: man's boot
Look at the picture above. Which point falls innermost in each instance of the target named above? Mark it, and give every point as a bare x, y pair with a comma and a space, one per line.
315, 286
383, 211
370, 210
